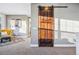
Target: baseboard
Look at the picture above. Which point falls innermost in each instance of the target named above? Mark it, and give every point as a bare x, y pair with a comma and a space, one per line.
34, 45
56, 45
64, 45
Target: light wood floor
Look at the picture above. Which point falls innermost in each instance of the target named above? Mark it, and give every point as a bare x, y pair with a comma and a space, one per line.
40, 51
21, 49
52, 51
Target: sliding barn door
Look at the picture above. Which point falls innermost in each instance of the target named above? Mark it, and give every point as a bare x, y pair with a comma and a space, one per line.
46, 26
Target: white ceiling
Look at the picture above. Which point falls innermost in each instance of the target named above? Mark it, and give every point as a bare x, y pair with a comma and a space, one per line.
15, 8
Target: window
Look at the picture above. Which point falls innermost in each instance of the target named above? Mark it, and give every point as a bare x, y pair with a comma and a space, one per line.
69, 25
68, 29
19, 26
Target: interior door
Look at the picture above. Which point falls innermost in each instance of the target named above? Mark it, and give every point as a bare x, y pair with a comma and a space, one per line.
46, 26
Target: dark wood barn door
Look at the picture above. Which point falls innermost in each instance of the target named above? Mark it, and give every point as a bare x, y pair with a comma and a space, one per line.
46, 26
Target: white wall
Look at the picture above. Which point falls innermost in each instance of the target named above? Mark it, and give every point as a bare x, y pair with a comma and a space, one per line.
70, 13
15, 8
34, 26
3, 21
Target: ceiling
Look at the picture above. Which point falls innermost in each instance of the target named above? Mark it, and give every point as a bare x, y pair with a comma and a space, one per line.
15, 8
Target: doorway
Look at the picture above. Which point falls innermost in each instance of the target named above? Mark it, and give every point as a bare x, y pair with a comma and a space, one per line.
46, 26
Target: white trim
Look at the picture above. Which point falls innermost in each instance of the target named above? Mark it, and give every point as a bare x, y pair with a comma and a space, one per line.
34, 45
64, 45
56, 45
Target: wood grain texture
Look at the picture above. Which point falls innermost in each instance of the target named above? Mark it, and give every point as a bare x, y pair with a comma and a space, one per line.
46, 26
